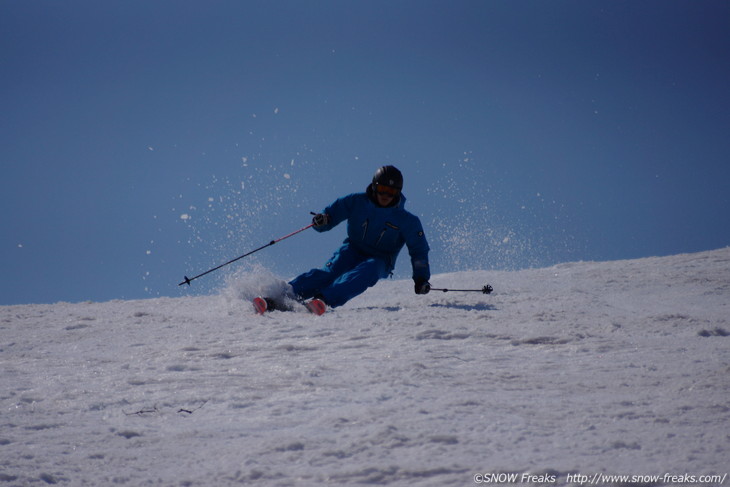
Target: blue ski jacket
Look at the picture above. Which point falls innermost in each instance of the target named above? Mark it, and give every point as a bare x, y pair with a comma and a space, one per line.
380, 232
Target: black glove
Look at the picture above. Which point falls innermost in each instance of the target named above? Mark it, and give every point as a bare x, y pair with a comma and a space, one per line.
321, 219
422, 286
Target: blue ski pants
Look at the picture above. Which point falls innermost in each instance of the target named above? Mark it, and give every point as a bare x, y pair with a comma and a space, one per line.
347, 274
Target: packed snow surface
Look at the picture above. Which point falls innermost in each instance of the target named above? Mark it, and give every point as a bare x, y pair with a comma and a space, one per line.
578, 369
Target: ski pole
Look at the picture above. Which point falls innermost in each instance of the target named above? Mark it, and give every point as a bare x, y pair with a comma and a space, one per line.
188, 280
485, 290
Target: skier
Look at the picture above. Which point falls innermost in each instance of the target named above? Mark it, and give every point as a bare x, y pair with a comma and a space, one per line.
377, 228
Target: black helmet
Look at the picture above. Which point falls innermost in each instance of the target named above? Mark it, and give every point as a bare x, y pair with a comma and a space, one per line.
388, 176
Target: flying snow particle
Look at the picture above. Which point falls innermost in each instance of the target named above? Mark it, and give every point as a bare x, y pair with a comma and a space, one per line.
185, 216
276, 111
287, 175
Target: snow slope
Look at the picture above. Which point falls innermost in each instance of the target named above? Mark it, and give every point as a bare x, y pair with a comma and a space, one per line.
582, 368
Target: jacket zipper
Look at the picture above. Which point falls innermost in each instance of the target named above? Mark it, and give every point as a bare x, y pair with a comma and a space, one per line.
364, 229
380, 237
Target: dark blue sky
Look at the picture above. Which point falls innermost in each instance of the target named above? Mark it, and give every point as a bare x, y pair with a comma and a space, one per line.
144, 140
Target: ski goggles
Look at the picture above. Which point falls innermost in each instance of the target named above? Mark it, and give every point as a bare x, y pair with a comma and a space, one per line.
386, 190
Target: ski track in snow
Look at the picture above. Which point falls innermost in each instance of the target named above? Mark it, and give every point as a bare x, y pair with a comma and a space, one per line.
619, 367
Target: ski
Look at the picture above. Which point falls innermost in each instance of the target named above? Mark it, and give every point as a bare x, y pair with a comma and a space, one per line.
316, 306
261, 305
